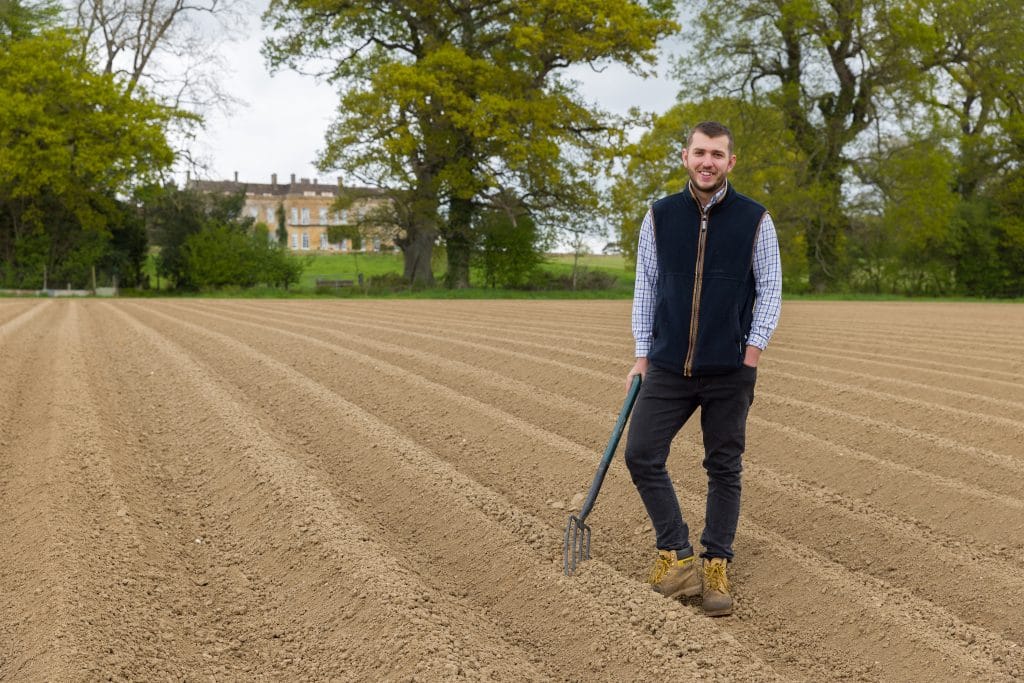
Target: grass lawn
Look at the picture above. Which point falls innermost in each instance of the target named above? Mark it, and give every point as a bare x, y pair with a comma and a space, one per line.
348, 266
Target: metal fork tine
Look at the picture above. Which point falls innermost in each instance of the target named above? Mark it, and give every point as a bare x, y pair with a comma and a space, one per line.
576, 545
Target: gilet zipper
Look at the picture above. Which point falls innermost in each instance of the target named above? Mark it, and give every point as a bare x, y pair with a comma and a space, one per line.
698, 281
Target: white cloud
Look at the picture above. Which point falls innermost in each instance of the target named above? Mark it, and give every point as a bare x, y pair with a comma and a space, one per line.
279, 128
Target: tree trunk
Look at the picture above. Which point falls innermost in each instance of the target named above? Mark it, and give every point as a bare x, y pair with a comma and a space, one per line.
825, 234
459, 243
824, 247
417, 253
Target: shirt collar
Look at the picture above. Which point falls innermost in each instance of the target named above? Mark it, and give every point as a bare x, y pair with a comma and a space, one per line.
715, 198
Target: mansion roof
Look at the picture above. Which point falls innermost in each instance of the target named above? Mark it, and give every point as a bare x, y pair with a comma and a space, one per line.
275, 189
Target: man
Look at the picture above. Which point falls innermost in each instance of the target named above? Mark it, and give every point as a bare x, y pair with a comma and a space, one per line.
707, 299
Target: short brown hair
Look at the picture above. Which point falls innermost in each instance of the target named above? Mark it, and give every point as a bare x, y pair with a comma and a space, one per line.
713, 129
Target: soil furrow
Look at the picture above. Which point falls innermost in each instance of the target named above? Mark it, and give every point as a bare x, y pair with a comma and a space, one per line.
835, 388
33, 599
395, 375
524, 548
378, 585
886, 482
896, 373
210, 617
1010, 431
560, 331
19, 317
599, 360
955, 446
835, 463
480, 376
926, 355
1009, 462
354, 490
869, 547
942, 337
509, 327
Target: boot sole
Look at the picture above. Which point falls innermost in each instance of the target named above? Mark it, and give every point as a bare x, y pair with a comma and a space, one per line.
683, 592
718, 612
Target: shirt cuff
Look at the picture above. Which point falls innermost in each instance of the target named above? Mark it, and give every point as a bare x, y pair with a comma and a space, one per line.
643, 347
758, 340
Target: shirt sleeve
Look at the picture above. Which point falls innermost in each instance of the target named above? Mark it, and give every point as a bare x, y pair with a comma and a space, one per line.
768, 284
646, 287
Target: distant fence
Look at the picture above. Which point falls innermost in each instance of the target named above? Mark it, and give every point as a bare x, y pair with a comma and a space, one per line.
99, 291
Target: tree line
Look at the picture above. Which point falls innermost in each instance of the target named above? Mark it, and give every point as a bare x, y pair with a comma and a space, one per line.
886, 137
88, 123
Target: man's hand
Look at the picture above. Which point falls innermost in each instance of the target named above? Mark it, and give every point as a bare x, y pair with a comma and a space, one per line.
639, 368
752, 356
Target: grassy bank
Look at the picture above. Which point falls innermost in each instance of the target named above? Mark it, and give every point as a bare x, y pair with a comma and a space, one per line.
610, 270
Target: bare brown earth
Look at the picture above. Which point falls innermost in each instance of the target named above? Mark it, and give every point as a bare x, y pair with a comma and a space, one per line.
353, 491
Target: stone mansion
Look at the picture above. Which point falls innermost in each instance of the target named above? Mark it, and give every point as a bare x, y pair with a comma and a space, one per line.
308, 210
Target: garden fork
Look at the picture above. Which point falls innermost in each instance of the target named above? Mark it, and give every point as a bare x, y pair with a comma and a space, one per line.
576, 545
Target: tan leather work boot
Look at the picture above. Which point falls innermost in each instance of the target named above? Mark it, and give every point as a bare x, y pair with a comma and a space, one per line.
717, 601
673, 577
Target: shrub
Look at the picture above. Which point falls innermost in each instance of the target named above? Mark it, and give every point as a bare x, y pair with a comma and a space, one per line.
226, 255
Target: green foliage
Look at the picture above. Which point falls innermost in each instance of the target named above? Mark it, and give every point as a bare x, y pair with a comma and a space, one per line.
124, 260
800, 57
205, 244
886, 138
174, 215
509, 250
282, 225
454, 105
339, 233
218, 256
20, 20
70, 143
990, 250
226, 255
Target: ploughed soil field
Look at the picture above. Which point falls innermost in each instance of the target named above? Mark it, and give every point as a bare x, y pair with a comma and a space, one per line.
361, 491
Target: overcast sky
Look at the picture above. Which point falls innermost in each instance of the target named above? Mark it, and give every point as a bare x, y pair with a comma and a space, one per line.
281, 125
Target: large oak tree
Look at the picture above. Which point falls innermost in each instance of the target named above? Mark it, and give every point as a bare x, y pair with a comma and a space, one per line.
458, 104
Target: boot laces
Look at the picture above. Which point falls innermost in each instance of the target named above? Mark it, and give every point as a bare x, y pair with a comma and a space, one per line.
714, 577
661, 567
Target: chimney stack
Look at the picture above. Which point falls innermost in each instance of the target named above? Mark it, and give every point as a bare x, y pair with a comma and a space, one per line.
339, 181
293, 178
236, 176
273, 179
316, 180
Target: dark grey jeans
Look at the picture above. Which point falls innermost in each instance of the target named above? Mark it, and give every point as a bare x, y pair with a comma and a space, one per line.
665, 403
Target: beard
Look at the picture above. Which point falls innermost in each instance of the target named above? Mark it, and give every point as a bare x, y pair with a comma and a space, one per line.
716, 182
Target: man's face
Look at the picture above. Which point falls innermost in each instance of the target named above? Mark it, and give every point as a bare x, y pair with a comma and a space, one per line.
708, 161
